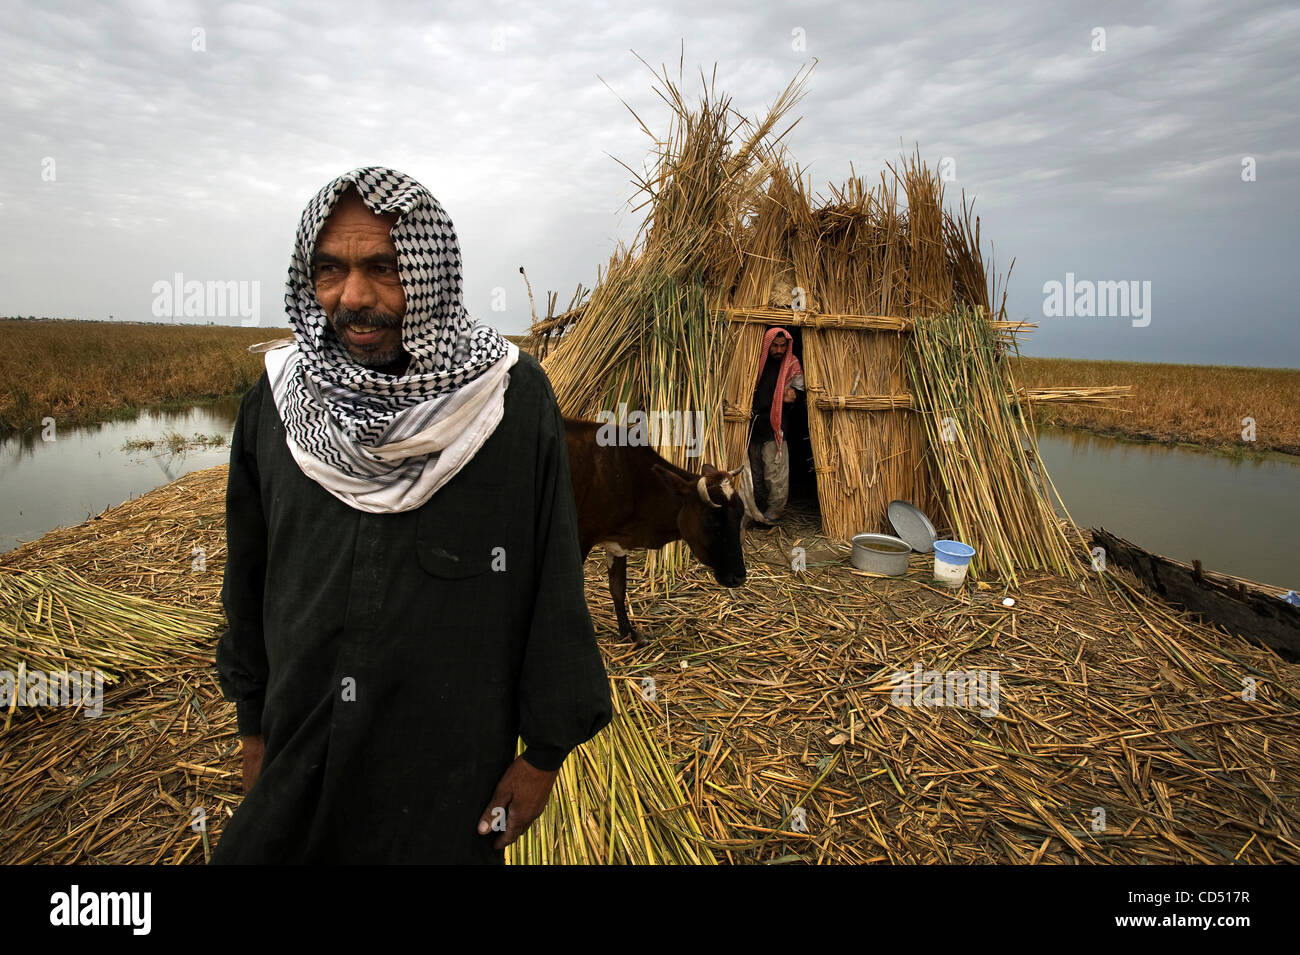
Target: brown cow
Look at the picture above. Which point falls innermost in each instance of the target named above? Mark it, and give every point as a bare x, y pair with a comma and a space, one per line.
630, 498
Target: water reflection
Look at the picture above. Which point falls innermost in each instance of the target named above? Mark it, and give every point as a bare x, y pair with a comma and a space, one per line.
49, 484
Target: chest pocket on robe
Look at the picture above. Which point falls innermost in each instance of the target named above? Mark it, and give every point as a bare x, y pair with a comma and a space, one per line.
464, 535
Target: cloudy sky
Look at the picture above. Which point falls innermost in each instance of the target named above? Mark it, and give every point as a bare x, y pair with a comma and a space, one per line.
1138, 142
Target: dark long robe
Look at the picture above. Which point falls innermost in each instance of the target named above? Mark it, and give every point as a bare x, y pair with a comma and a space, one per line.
391, 661
763, 395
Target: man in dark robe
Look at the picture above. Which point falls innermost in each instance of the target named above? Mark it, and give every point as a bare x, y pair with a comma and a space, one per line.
779, 379
403, 585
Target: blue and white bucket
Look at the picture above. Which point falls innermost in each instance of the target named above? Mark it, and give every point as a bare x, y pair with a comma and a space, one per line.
951, 560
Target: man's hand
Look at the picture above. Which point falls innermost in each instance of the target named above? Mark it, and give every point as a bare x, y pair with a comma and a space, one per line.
254, 749
519, 799
789, 394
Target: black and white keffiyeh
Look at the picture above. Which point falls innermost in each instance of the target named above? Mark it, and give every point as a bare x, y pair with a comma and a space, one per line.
384, 443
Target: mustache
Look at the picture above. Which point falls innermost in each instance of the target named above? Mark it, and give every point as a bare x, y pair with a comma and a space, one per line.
345, 316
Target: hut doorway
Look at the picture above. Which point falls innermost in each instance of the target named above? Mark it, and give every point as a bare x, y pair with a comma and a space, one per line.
803, 478
802, 503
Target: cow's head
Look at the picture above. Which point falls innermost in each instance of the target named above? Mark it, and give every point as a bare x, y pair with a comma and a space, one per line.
709, 517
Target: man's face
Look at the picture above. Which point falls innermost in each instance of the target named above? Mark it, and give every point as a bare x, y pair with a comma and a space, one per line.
358, 283
778, 347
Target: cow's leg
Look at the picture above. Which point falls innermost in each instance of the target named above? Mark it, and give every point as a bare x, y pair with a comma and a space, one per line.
618, 590
616, 565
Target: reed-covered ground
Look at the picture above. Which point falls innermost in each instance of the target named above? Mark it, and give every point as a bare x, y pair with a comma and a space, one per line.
1196, 404
774, 702
82, 372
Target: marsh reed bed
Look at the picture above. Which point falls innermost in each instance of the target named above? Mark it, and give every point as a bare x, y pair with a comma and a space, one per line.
83, 372
771, 698
1193, 404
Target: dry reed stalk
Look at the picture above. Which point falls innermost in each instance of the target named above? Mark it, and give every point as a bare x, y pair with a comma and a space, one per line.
809, 319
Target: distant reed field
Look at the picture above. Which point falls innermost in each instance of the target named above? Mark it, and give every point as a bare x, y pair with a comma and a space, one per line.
81, 372
1197, 404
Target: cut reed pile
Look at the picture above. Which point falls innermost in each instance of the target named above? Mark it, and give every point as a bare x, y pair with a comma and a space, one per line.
995, 493
150, 781
772, 698
142, 780
55, 621
617, 800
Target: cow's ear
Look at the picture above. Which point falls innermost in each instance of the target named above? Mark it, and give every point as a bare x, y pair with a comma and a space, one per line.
671, 481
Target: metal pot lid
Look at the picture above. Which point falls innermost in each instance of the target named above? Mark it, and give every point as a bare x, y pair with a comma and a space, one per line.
913, 526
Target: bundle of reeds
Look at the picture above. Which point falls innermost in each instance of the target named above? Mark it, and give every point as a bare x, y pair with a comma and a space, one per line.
996, 494
1101, 395
617, 800
53, 621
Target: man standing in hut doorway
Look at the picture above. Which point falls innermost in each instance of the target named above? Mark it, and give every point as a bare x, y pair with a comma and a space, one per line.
769, 453
403, 583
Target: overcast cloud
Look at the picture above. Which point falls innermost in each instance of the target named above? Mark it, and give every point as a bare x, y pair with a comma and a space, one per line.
130, 156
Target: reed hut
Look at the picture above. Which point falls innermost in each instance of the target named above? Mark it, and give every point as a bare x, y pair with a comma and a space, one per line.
735, 242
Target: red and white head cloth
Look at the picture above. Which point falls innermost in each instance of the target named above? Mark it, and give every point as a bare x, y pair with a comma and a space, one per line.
790, 374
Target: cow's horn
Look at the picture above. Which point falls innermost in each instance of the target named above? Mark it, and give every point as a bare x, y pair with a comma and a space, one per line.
736, 473
703, 487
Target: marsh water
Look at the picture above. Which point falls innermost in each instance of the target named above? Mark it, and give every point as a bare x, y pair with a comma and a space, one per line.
83, 470
1233, 514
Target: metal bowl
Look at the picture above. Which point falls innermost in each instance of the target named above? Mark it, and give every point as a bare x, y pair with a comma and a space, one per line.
880, 554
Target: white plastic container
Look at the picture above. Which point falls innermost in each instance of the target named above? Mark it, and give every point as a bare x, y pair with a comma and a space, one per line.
951, 561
